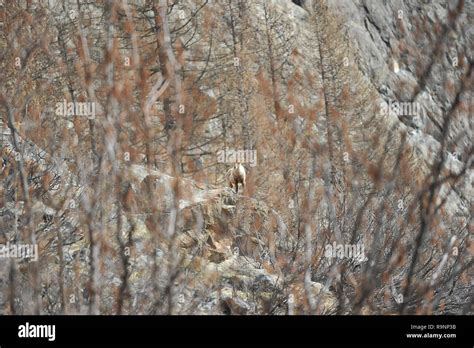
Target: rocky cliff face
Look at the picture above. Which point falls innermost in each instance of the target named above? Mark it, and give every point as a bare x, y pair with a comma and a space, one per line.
400, 41
415, 59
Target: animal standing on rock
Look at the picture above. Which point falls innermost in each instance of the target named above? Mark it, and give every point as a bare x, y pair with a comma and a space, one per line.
236, 175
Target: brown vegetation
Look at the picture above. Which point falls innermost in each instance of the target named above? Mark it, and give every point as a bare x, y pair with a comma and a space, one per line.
129, 206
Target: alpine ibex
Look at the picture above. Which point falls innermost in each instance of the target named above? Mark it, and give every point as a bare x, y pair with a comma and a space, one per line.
236, 175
